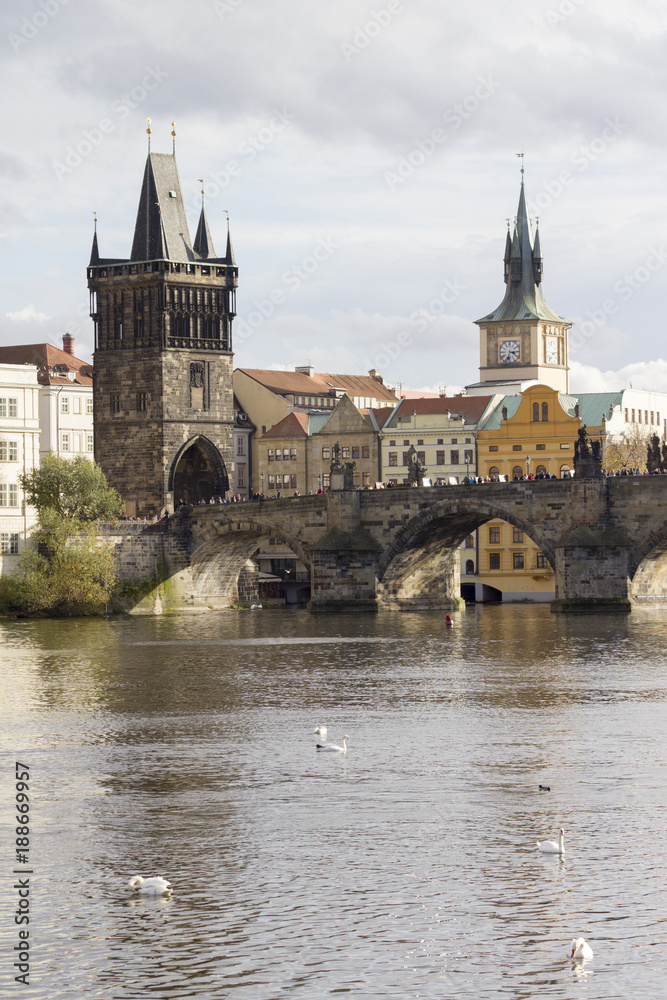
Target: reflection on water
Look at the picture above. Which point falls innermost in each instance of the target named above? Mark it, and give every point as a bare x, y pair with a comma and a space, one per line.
184, 746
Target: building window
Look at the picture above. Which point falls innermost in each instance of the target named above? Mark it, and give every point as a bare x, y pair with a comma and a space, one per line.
292, 454
517, 535
406, 458
8, 406
326, 453
325, 479
406, 443
540, 470
493, 447
421, 457
271, 454
439, 458
366, 479
540, 447
494, 560
517, 472
470, 567
469, 542
467, 456
639, 416
272, 482
64, 404
9, 543
454, 441
240, 475
633, 414
142, 402
467, 440
517, 447
393, 458
420, 441
64, 444
115, 402
494, 471
564, 446
494, 536
536, 412
89, 405
286, 454
517, 560
454, 457
90, 443
564, 471
9, 451
626, 414
345, 452
545, 411
355, 453
365, 451
292, 480
9, 495
240, 446
392, 444
541, 561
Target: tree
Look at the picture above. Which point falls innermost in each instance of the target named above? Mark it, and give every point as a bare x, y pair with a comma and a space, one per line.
73, 488
66, 571
628, 451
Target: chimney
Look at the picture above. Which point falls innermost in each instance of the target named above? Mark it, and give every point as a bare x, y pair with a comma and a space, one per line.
306, 370
68, 343
376, 375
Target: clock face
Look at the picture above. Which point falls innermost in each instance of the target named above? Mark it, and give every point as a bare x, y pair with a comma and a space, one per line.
552, 351
509, 351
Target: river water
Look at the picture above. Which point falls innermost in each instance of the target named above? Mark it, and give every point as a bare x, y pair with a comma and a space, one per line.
184, 746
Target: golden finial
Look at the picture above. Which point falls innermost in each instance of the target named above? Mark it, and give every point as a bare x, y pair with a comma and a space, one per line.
201, 181
95, 220
148, 133
173, 138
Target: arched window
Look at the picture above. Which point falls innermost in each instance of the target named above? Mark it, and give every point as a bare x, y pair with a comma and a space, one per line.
545, 411
517, 472
564, 471
536, 412
494, 471
540, 469
470, 567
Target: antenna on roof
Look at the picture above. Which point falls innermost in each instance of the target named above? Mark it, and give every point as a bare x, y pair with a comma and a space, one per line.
173, 138
148, 133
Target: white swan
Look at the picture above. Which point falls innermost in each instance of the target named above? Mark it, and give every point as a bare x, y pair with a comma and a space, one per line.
320, 731
551, 847
155, 885
332, 748
581, 950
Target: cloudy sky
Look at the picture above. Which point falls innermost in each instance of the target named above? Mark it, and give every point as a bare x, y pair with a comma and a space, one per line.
366, 154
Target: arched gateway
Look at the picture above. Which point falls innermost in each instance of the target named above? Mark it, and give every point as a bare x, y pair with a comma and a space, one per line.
198, 472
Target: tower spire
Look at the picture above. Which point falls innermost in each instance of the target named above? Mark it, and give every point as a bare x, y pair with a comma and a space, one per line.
229, 252
148, 133
203, 243
94, 253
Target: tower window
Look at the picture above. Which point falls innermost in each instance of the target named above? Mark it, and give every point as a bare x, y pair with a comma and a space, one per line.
545, 411
142, 402
536, 412
115, 402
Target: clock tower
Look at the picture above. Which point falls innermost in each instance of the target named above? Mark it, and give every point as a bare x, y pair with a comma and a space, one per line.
524, 338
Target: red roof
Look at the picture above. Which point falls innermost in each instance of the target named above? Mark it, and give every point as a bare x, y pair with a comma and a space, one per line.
293, 425
53, 363
470, 408
309, 385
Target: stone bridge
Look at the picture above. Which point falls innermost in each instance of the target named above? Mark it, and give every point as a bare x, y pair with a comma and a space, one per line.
398, 548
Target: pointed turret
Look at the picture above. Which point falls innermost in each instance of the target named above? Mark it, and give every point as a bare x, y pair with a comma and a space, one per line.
161, 215
229, 252
94, 253
508, 254
203, 244
523, 297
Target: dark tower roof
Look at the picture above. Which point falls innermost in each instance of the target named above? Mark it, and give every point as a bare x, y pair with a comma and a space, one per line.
161, 216
203, 244
94, 253
523, 275
229, 252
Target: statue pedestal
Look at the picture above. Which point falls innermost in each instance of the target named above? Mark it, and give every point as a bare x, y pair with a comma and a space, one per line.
337, 481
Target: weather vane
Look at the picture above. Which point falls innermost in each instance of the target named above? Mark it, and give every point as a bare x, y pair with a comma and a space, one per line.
148, 133
201, 181
521, 156
173, 138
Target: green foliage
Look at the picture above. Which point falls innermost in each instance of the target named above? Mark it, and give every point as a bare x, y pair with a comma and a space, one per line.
73, 488
64, 572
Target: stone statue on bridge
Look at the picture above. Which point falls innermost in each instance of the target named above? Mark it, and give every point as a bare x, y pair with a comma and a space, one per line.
587, 456
654, 462
416, 469
341, 476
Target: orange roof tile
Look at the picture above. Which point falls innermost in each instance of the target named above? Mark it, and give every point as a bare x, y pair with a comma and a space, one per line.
46, 357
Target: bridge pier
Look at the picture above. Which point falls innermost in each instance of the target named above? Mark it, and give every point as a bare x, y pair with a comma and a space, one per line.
592, 572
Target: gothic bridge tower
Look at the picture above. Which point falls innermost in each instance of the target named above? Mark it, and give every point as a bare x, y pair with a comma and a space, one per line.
163, 401
524, 338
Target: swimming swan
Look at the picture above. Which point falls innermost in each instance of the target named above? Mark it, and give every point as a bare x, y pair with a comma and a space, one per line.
320, 731
581, 950
332, 748
551, 847
155, 885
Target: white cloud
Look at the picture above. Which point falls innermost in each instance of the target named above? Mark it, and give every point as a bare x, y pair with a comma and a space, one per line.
27, 313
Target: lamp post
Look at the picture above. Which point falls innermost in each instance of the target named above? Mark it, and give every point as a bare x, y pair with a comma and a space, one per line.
527, 466
262, 478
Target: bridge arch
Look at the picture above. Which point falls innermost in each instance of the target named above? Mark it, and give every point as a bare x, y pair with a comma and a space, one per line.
420, 569
647, 569
223, 548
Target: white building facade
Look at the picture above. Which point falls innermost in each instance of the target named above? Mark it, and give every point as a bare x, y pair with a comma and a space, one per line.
19, 453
